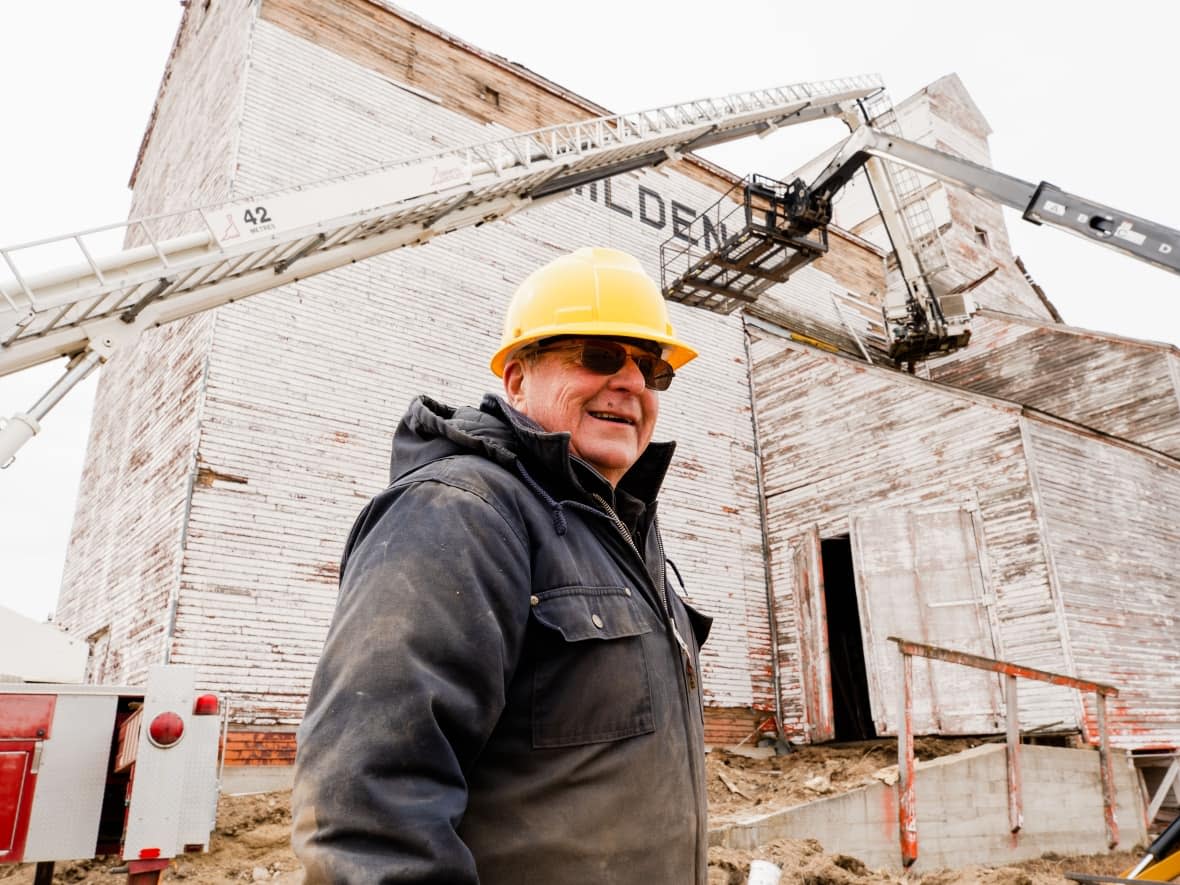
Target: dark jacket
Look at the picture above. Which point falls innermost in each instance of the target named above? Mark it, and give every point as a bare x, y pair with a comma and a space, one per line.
503, 697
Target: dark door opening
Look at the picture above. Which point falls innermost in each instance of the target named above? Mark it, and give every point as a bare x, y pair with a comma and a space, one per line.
850, 682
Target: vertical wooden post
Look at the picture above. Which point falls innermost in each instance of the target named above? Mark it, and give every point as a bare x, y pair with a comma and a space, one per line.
906, 805
907, 823
1108, 793
1170, 782
1015, 798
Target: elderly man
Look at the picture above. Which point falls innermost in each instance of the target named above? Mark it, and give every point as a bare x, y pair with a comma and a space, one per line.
509, 691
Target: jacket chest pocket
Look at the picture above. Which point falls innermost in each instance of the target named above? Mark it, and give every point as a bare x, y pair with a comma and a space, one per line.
591, 682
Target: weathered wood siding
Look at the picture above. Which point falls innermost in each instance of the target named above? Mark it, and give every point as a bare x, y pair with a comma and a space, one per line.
1112, 524
920, 572
124, 558
817, 305
990, 331
305, 385
231, 453
1119, 386
841, 438
460, 77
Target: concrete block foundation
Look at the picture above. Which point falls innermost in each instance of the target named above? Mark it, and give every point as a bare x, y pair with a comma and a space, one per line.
240, 779
962, 810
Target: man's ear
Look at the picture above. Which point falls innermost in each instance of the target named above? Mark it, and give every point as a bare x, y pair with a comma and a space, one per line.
514, 384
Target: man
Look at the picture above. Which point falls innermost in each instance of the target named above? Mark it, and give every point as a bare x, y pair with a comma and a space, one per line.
509, 691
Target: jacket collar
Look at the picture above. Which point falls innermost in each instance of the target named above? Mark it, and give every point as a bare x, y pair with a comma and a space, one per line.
551, 450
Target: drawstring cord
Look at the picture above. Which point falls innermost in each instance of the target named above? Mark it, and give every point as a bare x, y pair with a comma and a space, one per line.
679, 579
558, 514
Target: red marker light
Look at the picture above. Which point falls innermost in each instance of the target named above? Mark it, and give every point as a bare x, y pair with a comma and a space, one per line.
149, 853
166, 729
206, 705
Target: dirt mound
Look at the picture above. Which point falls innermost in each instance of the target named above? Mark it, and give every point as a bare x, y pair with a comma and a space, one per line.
740, 785
252, 843
804, 862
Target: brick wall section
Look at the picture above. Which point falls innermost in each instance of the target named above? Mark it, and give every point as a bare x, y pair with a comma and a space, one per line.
259, 748
728, 726
724, 726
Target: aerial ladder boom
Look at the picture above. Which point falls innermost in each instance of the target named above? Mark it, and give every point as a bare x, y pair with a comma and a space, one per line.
1041, 203
87, 311
916, 321
786, 228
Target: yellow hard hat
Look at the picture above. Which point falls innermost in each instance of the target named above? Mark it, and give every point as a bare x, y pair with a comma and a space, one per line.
591, 291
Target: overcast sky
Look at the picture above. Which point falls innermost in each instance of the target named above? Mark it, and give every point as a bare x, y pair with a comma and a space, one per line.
1078, 93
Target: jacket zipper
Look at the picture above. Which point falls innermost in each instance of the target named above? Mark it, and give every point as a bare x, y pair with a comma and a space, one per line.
689, 670
661, 587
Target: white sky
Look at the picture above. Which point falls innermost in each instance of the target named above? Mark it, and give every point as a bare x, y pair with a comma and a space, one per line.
1079, 93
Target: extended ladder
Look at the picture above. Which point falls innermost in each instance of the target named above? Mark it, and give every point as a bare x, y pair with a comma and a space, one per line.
909, 194
246, 246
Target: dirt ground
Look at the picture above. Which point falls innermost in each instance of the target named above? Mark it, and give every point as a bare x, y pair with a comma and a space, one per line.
251, 842
740, 785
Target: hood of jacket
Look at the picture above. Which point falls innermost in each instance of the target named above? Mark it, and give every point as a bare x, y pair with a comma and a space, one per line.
430, 431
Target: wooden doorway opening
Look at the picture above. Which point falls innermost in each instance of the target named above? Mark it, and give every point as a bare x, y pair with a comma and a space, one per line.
850, 684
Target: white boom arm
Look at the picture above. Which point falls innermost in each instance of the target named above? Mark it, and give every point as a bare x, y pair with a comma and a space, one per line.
248, 246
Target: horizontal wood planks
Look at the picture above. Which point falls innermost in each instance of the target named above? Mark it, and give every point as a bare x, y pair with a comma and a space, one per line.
1119, 386
1112, 517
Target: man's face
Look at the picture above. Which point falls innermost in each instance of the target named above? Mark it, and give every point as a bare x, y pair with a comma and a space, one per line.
610, 418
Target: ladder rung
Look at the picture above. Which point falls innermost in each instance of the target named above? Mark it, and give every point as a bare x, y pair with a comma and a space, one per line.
94, 305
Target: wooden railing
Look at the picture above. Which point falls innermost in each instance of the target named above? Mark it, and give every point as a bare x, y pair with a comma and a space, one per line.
906, 803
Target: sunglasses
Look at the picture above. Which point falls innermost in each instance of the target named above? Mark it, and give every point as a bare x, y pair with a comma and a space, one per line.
604, 357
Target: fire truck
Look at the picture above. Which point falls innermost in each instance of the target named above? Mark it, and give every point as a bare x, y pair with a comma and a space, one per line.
90, 770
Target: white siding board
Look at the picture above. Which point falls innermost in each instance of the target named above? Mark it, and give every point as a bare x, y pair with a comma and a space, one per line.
124, 560
785, 580
919, 577
1111, 516
1122, 387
